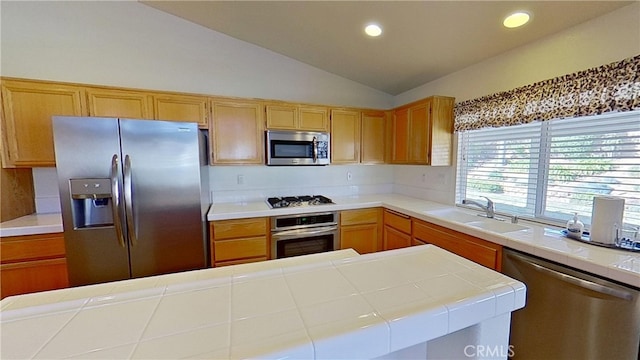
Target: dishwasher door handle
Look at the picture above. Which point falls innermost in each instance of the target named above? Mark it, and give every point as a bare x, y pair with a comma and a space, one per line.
586, 284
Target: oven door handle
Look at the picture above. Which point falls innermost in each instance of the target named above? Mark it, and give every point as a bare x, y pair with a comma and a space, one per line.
295, 233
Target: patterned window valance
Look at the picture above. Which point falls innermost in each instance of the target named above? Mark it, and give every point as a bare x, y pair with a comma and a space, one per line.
611, 87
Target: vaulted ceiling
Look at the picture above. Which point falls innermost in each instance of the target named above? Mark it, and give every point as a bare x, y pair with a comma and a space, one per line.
422, 40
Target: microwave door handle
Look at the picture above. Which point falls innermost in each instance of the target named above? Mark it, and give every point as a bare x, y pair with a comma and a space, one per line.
315, 150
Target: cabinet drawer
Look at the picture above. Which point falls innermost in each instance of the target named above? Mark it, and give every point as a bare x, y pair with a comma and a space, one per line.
360, 216
240, 248
32, 276
398, 221
241, 261
228, 229
31, 247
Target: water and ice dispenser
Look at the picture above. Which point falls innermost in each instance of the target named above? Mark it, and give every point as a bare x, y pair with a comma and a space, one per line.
92, 202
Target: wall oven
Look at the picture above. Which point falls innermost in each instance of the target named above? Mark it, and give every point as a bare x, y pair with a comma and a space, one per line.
303, 234
297, 148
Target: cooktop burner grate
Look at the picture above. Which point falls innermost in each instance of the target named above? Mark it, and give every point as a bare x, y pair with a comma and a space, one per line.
289, 201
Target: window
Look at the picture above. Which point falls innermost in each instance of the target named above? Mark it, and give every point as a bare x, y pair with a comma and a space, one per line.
549, 170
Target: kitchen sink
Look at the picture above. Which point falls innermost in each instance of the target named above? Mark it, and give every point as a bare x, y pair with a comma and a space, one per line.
496, 226
454, 215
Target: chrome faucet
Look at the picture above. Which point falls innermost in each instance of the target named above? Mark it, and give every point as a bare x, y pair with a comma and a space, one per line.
489, 208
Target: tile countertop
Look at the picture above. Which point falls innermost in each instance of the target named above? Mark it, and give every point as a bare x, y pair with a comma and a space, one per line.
539, 240
32, 224
329, 305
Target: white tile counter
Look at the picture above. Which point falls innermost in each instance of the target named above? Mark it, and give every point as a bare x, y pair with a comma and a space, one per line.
539, 240
32, 224
397, 303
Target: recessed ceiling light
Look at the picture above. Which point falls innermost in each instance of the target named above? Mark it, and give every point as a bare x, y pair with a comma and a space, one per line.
516, 19
373, 30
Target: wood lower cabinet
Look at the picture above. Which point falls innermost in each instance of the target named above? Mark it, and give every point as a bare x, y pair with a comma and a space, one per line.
361, 230
32, 263
397, 230
26, 122
236, 133
239, 241
478, 250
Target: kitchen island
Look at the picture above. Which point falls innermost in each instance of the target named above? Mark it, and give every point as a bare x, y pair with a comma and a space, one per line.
408, 303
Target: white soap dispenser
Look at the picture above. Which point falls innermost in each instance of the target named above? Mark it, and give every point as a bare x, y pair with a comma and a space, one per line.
575, 227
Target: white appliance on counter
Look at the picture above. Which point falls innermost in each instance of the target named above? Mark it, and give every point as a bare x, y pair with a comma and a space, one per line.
133, 197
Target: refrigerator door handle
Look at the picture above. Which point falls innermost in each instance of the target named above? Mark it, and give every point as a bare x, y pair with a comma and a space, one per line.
128, 201
115, 193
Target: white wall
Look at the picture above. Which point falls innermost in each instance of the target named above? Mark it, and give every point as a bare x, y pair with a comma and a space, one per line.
59, 41
608, 38
125, 43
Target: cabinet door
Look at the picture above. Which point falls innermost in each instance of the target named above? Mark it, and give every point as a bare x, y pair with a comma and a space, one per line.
119, 103
400, 137
282, 117
345, 136
32, 276
478, 250
28, 108
237, 133
441, 131
394, 239
420, 134
181, 108
361, 238
313, 118
373, 136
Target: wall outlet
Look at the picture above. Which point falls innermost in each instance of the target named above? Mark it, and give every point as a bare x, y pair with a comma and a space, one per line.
240, 180
349, 176
424, 177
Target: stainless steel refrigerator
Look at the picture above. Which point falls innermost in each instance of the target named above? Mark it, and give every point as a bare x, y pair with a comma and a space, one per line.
134, 196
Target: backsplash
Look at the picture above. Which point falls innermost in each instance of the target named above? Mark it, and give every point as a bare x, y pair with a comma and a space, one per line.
425, 182
256, 183
45, 186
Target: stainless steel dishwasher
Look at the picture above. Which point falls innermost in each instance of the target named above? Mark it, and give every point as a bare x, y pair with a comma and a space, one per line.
570, 314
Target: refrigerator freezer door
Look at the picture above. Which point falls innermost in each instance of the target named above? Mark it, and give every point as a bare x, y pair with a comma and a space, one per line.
85, 149
162, 196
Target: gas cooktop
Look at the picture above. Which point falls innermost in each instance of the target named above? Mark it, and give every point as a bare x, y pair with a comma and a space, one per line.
290, 201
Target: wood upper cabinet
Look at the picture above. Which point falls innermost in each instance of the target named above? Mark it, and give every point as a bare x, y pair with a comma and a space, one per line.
181, 108
26, 121
345, 136
422, 133
478, 250
314, 118
239, 241
441, 131
361, 230
397, 230
372, 145
236, 133
120, 103
32, 263
294, 117
400, 137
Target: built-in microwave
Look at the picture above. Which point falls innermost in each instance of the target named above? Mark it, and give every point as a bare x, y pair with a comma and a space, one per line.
297, 148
